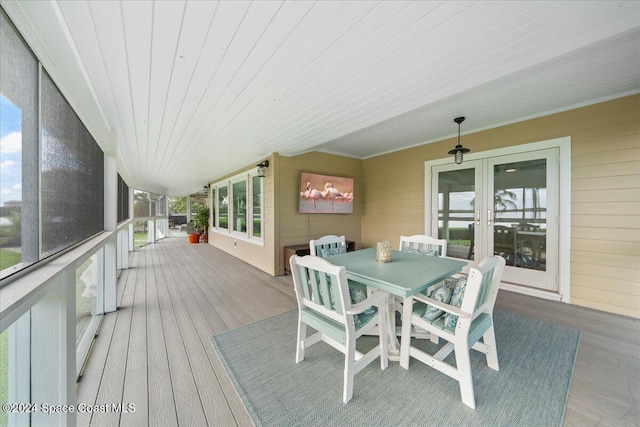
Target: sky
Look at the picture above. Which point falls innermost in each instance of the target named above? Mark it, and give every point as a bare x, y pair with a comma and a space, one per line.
463, 200
10, 151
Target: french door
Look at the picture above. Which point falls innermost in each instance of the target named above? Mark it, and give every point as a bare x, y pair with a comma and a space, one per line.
503, 205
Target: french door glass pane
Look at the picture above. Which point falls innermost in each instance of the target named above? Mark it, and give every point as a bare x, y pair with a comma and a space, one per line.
520, 213
456, 207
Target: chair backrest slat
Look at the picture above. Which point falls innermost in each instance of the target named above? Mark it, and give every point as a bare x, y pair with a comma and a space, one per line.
325, 288
326, 292
318, 246
423, 244
307, 287
314, 285
485, 287
482, 285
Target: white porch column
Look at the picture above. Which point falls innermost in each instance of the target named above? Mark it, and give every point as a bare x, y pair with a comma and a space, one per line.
110, 224
131, 242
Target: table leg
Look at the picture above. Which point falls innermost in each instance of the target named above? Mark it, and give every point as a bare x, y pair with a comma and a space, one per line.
405, 342
394, 344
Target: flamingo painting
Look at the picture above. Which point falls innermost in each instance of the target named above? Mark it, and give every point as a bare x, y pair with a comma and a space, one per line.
312, 193
331, 192
325, 194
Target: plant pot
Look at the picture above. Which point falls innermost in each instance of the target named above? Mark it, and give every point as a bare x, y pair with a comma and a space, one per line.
194, 238
204, 238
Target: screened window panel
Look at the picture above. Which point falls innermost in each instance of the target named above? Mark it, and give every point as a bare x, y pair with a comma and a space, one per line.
161, 205
72, 174
19, 216
123, 200
141, 207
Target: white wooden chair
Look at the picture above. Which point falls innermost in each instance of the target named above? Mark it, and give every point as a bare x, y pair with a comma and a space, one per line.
474, 321
324, 304
422, 244
330, 245
425, 245
504, 243
327, 246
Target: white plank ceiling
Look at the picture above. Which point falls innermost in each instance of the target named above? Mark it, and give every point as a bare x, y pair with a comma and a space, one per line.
186, 91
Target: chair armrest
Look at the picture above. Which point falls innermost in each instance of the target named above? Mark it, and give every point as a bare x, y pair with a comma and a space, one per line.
442, 306
377, 297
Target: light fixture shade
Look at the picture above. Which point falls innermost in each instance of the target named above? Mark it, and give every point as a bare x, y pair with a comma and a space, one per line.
459, 150
458, 153
262, 168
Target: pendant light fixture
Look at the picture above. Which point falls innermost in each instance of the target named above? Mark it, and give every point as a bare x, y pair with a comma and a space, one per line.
459, 150
262, 168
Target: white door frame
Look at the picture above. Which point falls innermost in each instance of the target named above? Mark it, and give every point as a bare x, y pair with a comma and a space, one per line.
547, 279
564, 211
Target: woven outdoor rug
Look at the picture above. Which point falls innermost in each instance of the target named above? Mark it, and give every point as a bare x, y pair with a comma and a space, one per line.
531, 389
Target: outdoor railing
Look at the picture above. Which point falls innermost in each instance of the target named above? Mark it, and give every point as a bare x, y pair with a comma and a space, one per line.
48, 318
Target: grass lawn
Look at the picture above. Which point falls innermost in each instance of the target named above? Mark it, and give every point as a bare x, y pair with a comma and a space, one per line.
140, 239
459, 242
9, 258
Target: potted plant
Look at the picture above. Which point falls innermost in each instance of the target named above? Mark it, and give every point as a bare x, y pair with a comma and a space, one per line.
201, 223
194, 237
193, 233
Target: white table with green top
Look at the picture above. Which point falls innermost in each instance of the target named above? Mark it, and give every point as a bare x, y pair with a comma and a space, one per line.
407, 274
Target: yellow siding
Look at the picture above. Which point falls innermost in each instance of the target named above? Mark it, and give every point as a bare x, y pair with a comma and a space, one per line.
389, 199
605, 151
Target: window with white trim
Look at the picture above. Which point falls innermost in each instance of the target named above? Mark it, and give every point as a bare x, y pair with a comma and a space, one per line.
223, 208
237, 207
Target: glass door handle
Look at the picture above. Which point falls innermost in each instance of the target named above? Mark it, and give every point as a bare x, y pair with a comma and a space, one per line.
488, 216
478, 216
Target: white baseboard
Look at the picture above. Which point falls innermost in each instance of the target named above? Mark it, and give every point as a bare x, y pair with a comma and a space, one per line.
540, 293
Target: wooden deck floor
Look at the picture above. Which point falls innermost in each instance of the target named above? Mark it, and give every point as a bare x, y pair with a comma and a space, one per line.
155, 352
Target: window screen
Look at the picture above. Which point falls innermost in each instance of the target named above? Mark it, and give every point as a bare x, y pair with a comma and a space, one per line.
72, 175
123, 200
141, 206
19, 239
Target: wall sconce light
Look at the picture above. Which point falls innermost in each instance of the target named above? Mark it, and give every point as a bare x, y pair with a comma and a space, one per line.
262, 168
206, 186
459, 150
